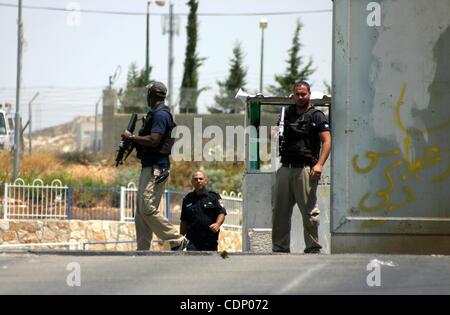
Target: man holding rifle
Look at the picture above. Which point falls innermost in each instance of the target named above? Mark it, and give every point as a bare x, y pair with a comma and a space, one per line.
153, 145
304, 149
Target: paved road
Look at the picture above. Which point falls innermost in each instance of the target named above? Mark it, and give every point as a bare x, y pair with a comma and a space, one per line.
211, 274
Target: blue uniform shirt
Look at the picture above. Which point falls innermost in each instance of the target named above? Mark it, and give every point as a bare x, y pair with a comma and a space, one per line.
162, 123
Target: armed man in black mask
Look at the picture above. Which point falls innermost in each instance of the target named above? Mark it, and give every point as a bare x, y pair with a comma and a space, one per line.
306, 147
154, 144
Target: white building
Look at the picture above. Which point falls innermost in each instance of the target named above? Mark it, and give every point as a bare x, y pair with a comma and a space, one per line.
85, 136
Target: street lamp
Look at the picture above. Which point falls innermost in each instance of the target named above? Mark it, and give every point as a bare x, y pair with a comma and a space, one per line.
170, 66
170, 28
160, 3
262, 25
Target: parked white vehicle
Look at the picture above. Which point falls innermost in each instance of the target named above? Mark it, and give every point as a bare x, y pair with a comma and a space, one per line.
6, 129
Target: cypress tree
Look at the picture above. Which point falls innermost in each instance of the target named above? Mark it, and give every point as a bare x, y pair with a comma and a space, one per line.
189, 87
226, 101
295, 71
132, 99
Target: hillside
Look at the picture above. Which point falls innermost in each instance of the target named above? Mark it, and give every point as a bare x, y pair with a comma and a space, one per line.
60, 138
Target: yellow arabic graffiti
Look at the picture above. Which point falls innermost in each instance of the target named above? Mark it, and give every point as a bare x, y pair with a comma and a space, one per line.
444, 175
405, 166
414, 132
374, 159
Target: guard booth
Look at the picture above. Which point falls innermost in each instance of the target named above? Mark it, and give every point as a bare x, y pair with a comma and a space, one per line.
261, 163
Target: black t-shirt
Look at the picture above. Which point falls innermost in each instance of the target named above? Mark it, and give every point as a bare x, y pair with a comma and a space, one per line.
199, 212
319, 124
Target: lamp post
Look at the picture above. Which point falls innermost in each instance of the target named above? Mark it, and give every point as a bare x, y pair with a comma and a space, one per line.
160, 3
170, 66
96, 129
262, 25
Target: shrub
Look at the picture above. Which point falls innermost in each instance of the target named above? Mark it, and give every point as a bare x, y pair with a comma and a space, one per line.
86, 199
77, 157
48, 177
5, 166
126, 175
39, 163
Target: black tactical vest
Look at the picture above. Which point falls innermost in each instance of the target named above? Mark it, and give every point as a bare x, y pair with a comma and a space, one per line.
167, 142
302, 141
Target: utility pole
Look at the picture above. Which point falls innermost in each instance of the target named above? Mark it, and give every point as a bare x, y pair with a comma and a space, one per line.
147, 43
262, 25
30, 123
160, 3
170, 75
17, 131
96, 128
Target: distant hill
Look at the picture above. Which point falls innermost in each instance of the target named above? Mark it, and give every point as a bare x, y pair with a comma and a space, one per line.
61, 138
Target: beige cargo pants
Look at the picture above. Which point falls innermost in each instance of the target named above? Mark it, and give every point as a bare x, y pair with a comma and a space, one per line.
148, 218
294, 185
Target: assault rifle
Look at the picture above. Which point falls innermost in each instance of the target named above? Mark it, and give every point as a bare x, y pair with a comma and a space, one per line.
126, 146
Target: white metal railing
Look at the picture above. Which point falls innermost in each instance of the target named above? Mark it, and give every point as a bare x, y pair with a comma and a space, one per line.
5, 203
232, 202
36, 201
231, 195
128, 202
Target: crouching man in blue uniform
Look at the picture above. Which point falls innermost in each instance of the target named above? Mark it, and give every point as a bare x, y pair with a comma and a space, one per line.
202, 216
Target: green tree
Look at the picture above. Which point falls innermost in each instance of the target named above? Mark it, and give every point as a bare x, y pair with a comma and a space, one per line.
296, 70
133, 98
189, 87
226, 101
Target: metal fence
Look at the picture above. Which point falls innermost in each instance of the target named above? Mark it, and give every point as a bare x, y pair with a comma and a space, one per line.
233, 204
128, 202
95, 203
171, 203
36, 201
21, 201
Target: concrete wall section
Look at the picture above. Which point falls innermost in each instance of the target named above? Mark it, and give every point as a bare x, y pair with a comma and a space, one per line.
110, 142
114, 124
391, 158
80, 232
259, 188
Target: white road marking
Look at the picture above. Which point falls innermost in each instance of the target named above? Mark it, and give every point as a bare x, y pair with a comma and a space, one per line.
301, 278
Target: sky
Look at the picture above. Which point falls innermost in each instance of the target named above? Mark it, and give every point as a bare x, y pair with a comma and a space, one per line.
70, 63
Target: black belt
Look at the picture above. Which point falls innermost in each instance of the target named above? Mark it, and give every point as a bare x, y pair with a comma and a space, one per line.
295, 165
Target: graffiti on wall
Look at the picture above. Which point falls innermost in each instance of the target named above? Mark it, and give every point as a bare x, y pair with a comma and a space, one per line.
403, 166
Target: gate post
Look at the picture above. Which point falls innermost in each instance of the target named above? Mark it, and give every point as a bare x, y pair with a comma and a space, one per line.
5, 203
122, 204
69, 203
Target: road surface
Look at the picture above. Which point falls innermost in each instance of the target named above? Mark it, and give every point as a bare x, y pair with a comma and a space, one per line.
210, 274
